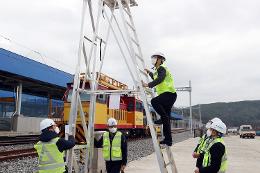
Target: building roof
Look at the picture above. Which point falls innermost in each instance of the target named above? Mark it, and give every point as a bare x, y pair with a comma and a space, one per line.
22, 66
37, 78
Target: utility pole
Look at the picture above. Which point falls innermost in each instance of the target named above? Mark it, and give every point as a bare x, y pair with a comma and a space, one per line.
200, 115
191, 127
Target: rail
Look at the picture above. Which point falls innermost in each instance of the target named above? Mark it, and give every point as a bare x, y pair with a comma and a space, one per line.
13, 154
5, 140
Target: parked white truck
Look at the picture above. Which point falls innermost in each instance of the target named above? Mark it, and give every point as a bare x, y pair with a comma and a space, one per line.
246, 131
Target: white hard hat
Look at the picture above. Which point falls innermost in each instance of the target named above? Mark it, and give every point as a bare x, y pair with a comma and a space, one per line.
46, 123
159, 54
111, 122
219, 126
212, 121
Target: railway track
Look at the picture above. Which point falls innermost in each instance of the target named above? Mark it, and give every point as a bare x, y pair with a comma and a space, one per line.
14, 154
6, 140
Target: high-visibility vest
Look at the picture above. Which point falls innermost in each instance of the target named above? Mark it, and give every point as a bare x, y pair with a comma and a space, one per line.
50, 158
167, 85
207, 157
113, 152
203, 144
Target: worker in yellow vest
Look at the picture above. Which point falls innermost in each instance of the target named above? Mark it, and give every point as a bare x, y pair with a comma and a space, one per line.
214, 160
114, 147
166, 94
204, 140
51, 148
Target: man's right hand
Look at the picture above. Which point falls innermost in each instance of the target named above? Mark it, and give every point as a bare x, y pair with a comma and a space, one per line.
195, 155
147, 71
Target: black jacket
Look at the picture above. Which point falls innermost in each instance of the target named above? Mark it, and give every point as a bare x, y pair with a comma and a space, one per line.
99, 144
62, 144
216, 151
161, 76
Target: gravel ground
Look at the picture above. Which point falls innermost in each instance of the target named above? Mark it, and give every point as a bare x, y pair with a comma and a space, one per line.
15, 147
136, 150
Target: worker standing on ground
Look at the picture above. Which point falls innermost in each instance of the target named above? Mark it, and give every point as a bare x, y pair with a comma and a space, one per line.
114, 147
204, 140
166, 94
51, 148
214, 160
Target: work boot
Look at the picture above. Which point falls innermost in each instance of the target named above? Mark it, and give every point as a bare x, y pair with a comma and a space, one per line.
158, 121
164, 142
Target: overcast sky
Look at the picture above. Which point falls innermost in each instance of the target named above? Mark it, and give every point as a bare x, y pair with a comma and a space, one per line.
215, 44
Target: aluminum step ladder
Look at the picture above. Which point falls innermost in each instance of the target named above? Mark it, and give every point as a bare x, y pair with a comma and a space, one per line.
135, 64
138, 60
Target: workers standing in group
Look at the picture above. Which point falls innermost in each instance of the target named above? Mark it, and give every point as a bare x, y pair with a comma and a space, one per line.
114, 147
204, 140
214, 158
166, 94
51, 148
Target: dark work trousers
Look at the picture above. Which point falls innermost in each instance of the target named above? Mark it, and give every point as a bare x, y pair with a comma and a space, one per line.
162, 104
113, 166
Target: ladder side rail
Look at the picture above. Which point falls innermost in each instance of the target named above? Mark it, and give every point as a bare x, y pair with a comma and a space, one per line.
143, 95
93, 42
85, 57
76, 82
91, 15
121, 50
106, 40
171, 160
131, 48
93, 86
137, 40
110, 92
83, 123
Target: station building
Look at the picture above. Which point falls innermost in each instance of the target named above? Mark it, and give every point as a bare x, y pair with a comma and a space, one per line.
29, 89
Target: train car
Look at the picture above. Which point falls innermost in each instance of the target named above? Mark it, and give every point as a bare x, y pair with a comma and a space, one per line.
130, 115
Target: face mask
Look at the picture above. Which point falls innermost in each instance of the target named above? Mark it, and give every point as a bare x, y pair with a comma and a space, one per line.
57, 130
209, 132
113, 129
154, 60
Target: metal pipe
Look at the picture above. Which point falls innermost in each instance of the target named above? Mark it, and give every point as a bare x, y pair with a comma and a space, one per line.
19, 98
191, 127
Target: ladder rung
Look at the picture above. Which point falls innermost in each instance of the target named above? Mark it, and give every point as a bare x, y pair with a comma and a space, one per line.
101, 39
135, 42
130, 26
143, 72
170, 163
127, 12
139, 57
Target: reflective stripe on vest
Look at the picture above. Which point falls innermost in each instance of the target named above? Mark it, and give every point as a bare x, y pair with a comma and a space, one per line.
203, 144
113, 152
50, 158
207, 157
167, 85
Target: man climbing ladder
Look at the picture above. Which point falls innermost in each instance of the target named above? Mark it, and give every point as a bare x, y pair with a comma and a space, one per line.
164, 84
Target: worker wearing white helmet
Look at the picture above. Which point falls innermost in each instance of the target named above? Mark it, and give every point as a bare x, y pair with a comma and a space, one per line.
114, 147
166, 94
204, 140
51, 148
214, 160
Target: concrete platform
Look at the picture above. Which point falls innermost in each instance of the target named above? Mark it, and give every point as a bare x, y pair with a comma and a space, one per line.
243, 156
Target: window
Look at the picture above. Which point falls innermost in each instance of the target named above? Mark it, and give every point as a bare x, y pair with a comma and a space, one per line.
34, 106
83, 96
7, 106
139, 106
130, 106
